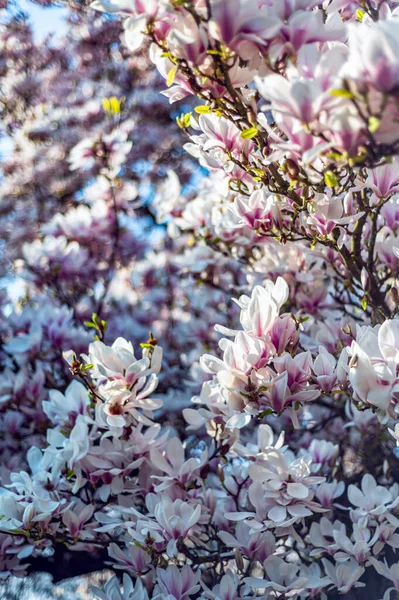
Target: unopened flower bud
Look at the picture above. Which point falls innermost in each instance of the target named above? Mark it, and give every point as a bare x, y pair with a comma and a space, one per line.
365, 280
292, 168
239, 560
221, 473
394, 293
251, 116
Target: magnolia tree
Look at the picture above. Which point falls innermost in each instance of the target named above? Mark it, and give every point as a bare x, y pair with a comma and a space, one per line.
279, 479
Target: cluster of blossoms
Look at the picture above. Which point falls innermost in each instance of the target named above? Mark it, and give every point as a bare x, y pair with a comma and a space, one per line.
243, 512
280, 479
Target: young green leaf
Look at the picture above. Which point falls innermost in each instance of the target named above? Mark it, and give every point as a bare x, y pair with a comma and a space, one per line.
250, 133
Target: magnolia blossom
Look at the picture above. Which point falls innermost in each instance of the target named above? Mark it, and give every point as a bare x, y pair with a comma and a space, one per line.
282, 577
218, 139
176, 584
383, 180
177, 470
242, 28
371, 500
372, 367
322, 451
63, 409
174, 521
118, 362
281, 489
259, 312
328, 492
227, 588
344, 576
391, 573
251, 544
259, 211
112, 590
127, 388
329, 215
372, 53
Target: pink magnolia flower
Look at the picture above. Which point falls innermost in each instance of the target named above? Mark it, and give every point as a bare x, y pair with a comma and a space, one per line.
141, 11
252, 545
358, 547
75, 521
134, 560
304, 27
282, 577
322, 451
219, 138
298, 97
385, 533
387, 247
344, 576
281, 490
382, 180
324, 367
346, 129
372, 54
390, 212
264, 443
260, 210
174, 521
118, 362
322, 535
121, 405
329, 214
372, 500
390, 572
227, 589
284, 334
176, 584
63, 409
177, 471
373, 366
75, 447
187, 40
291, 384
259, 312
243, 27
112, 590
327, 492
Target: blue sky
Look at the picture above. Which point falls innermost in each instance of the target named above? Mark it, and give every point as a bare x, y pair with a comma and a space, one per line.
45, 20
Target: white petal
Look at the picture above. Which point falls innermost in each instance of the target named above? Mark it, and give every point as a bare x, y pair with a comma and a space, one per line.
277, 513
238, 421
297, 490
